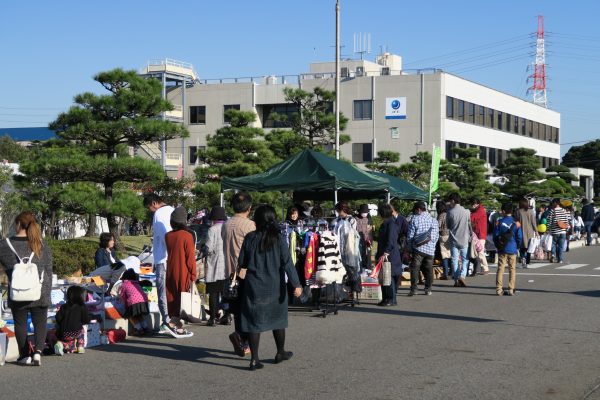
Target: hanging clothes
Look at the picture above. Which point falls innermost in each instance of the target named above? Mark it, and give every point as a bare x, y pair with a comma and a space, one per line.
311, 254
293, 240
329, 263
349, 241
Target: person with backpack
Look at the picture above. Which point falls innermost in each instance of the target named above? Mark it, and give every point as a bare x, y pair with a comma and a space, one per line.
558, 224
29, 292
507, 236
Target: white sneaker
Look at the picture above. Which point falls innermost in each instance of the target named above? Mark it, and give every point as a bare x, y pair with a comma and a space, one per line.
37, 359
59, 349
24, 361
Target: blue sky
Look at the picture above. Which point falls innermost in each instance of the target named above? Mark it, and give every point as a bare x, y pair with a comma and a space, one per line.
51, 50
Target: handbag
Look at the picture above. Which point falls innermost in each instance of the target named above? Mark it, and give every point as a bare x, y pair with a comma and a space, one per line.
191, 303
385, 274
375, 272
421, 239
230, 289
534, 242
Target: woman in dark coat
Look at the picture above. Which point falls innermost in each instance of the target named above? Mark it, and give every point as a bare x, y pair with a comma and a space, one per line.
106, 254
387, 245
265, 260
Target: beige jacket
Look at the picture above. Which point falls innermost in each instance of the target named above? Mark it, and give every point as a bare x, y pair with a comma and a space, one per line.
233, 233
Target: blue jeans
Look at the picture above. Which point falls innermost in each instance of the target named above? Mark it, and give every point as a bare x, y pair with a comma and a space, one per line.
161, 276
459, 272
588, 232
445, 265
558, 245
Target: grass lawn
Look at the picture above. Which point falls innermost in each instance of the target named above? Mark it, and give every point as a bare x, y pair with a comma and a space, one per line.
133, 244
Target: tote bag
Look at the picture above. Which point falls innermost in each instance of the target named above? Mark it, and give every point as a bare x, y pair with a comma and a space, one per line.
191, 302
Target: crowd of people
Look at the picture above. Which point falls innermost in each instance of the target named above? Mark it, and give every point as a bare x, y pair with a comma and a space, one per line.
265, 262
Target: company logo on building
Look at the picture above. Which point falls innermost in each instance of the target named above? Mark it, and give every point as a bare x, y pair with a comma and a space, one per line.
395, 108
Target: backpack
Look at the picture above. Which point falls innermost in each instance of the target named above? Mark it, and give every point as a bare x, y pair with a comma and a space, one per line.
504, 238
26, 282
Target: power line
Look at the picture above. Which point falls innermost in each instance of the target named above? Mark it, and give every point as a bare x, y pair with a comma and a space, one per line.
580, 141
480, 57
472, 49
492, 64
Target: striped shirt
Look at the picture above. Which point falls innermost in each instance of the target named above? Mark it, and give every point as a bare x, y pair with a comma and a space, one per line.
558, 214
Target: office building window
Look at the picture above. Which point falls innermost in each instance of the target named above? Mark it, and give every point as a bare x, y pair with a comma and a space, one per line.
471, 112
461, 110
508, 124
523, 126
529, 128
515, 124
481, 116
449, 146
483, 153
229, 107
278, 115
193, 154
499, 119
492, 157
362, 152
363, 109
489, 118
449, 107
556, 138
197, 114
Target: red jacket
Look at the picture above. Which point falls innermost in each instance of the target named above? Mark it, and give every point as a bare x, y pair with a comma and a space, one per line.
480, 222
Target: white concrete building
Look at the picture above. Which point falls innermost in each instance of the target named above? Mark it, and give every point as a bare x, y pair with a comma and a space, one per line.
388, 109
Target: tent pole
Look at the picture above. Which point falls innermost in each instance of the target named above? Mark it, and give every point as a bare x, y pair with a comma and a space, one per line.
335, 200
282, 208
389, 198
222, 199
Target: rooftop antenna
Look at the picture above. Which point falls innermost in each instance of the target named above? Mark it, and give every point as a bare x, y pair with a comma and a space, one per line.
362, 44
539, 68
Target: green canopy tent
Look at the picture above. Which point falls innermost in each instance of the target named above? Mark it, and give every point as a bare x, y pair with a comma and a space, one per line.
314, 174
401, 189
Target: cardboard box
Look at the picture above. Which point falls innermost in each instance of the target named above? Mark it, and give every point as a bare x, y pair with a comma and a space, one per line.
370, 291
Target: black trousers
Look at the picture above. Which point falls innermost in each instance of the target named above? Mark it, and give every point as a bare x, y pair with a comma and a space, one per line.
421, 262
214, 290
39, 317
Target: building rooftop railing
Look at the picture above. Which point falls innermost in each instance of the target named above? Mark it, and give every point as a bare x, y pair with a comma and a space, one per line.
296, 78
171, 62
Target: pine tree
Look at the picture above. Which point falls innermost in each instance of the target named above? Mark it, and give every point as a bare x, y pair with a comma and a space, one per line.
467, 171
315, 119
521, 169
233, 151
102, 125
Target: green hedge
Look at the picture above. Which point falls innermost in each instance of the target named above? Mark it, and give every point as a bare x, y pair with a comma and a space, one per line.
71, 256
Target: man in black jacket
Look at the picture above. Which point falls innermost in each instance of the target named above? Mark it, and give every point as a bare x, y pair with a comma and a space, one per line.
587, 215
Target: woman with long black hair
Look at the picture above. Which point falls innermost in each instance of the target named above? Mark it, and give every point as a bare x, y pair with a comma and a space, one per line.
264, 263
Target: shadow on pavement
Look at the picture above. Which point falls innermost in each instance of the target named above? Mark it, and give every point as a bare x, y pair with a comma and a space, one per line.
588, 293
418, 314
182, 353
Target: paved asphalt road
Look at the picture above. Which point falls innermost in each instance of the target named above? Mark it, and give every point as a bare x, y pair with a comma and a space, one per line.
459, 343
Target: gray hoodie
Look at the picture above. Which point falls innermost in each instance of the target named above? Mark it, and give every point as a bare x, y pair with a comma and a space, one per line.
458, 222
